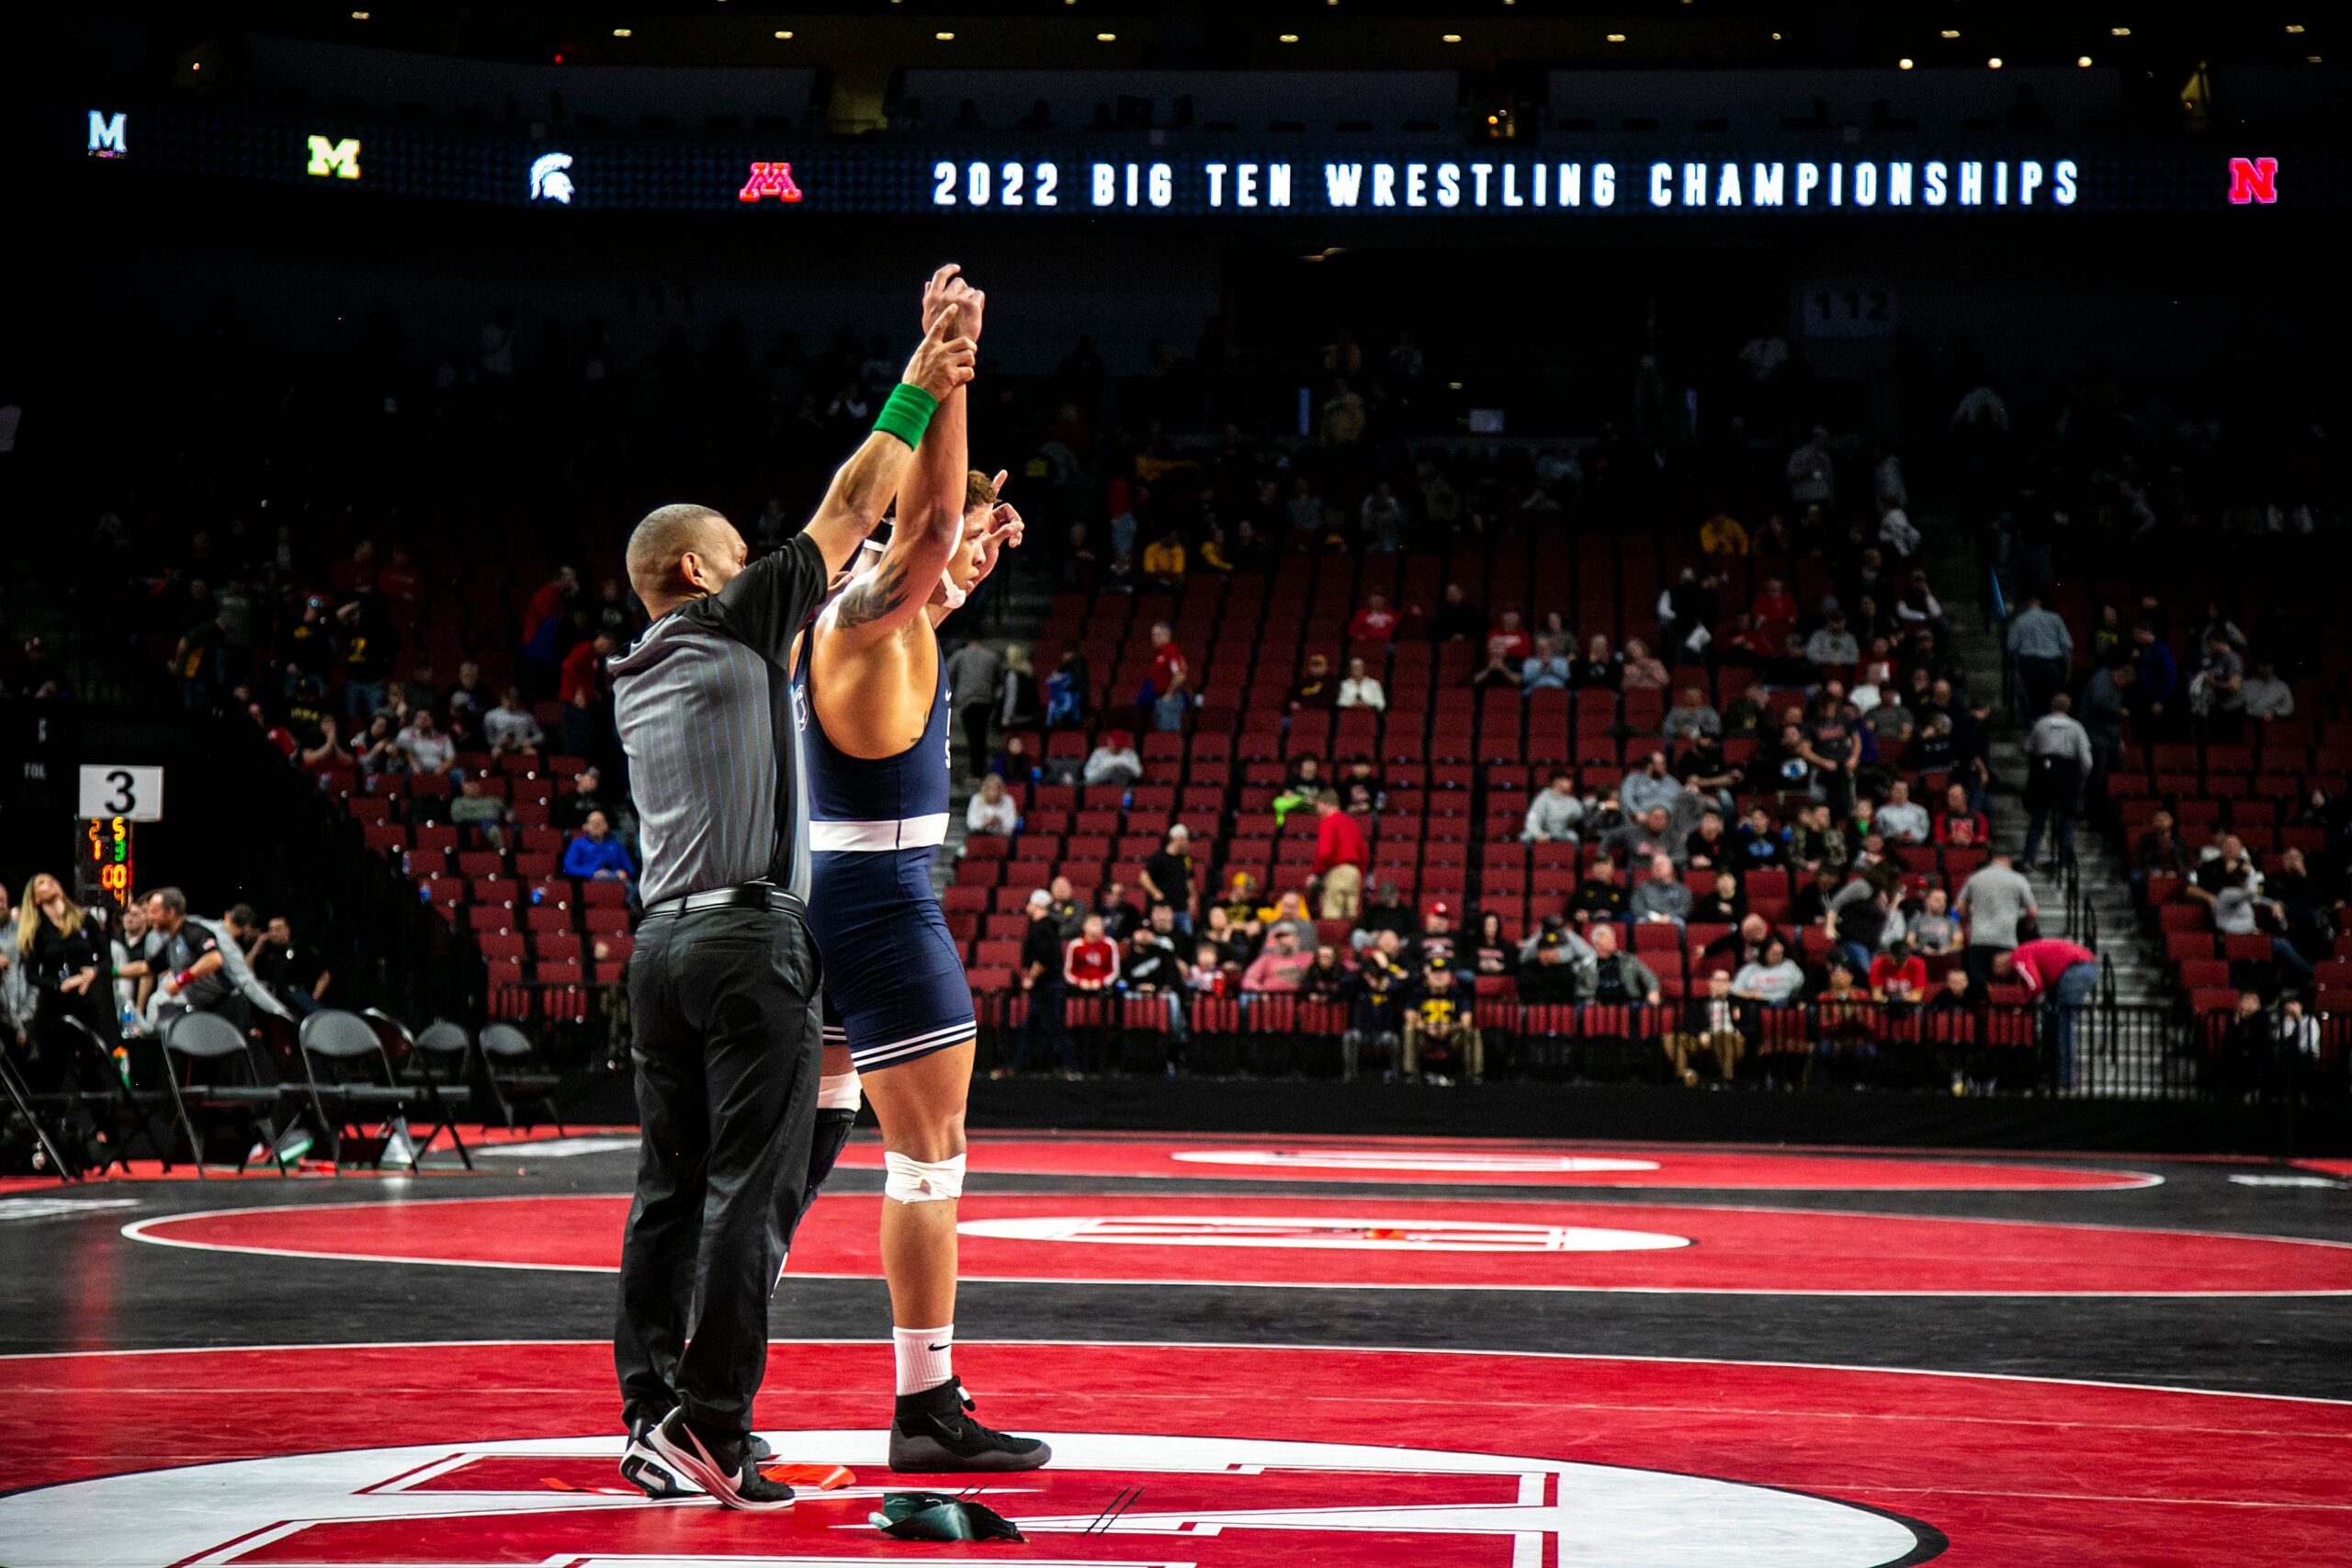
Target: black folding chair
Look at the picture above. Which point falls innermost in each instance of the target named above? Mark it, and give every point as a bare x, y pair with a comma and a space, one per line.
199, 1048
511, 1067
358, 1082
444, 1093
29, 1105
126, 1113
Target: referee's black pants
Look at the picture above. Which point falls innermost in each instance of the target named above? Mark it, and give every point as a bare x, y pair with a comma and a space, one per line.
726, 1033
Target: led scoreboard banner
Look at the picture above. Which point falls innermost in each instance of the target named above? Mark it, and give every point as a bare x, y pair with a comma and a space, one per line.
1230, 175
108, 870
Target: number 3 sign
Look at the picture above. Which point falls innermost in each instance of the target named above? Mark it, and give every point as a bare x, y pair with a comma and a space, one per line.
133, 793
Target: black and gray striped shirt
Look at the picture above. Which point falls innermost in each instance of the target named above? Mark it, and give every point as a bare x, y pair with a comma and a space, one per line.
704, 703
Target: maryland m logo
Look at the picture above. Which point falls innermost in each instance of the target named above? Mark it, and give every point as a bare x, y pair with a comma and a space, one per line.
2254, 180
339, 160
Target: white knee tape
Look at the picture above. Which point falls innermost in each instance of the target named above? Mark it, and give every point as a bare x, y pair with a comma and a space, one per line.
838, 1091
922, 1181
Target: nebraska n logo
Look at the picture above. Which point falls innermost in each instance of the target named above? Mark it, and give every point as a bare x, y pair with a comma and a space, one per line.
769, 179
2254, 180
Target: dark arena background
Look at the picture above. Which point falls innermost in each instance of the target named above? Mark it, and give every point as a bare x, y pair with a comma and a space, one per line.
1806, 544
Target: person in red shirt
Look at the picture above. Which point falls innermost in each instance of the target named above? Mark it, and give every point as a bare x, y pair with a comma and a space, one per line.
1171, 677
1339, 858
1508, 640
1774, 615
1899, 974
2064, 975
1090, 962
1956, 824
1375, 622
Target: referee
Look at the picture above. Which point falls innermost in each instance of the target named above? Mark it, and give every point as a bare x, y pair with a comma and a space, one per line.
723, 986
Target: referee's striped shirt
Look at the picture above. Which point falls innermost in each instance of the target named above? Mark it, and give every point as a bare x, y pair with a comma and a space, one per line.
703, 704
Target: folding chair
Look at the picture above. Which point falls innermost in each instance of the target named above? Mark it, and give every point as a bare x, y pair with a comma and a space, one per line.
511, 1067
198, 1047
443, 1094
361, 1084
27, 1105
134, 1109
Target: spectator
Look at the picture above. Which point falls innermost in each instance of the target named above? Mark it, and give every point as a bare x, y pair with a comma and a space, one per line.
1636, 842
2264, 695
1383, 518
1554, 814
1375, 1003
1508, 641
1281, 968
1439, 1021
1340, 857
1067, 692
1163, 559
1546, 669
1553, 966
1492, 953
1899, 974
1090, 961
1362, 689
1832, 646
295, 976
378, 748
1817, 842
1995, 902
1376, 621
190, 967
574, 808
1642, 670
1614, 977
1168, 877
1958, 823
1691, 719
512, 726
1771, 979
1709, 1026
2158, 851
1661, 898
2104, 705
1812, 474
1042, 981
476, 808
1599, 670
2044, 651
1650, 786
1167, 692
1896, 530
2058, 763
2217, 692
1114, 760
2063, 974
1726, 905
52, 965
1068, 914
975, 686
1501, 668
1722, 535
991, 809
1933, 929
1950, 1000
1832, 749
1902, 820
596, 855
1707, 846
1327, 978
423, 746
586, 695
2155, 680
467, 703
1388, 914
1458, 618
329, 751
1760, 841
1315, 691
2233, 890
1438, 941
1151, 969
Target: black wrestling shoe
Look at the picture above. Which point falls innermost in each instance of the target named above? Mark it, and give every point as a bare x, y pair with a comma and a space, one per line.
647, 1471
727, 1473
931, 1432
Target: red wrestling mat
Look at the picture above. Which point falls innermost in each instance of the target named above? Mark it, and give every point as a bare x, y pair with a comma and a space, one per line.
500, 1455
1480, 1163
1388, 1243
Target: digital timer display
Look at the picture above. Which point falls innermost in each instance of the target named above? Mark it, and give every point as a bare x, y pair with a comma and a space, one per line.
107, 865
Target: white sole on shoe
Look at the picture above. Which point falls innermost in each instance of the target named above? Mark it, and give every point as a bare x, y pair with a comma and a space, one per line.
690, 1463
636, 1454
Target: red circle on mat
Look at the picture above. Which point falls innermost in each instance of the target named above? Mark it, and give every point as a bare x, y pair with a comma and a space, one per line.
1455, 1163
1388, 1243
501, 1454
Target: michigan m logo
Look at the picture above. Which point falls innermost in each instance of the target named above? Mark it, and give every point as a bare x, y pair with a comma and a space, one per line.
338, 159
2254, 180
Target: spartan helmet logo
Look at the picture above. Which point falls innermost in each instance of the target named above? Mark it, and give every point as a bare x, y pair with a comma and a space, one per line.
549, 181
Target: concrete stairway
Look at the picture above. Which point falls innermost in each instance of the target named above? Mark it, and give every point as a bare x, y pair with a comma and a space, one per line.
1029, 596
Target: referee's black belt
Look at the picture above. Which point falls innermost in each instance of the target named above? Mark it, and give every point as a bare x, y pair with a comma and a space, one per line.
749, 895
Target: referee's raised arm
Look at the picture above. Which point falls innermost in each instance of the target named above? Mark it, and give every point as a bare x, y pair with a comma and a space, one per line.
723, 1017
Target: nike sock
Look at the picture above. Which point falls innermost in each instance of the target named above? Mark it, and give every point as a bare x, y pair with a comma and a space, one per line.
926, 1357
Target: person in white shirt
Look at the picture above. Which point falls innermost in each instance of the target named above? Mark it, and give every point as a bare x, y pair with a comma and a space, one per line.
427, 749
1362, 689
512, 726
1113, 760
2264, 695
2058, 764
1896, 530
991, 809
1902, 820
1554, 814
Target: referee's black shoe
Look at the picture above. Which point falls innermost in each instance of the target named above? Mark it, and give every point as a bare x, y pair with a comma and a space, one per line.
725, 1470
650, 1473
934, 1431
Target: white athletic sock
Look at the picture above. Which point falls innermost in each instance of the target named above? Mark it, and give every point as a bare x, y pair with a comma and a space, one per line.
926, 1357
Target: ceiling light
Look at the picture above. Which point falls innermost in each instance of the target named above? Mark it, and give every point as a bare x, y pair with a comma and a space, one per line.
1450, 37
1107, 37
2118, 32
1776, 37
2083, 59
362, 15
1994, 64
944, 37
785, 34
1949, 32
2294, 27
1288, 37
621, 32
1616, 38
2311, 59
1904, 64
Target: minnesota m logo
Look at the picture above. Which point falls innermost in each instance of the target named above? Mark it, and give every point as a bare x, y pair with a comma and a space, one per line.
339, 159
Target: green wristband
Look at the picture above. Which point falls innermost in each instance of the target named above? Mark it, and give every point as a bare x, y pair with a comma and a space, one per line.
906, 412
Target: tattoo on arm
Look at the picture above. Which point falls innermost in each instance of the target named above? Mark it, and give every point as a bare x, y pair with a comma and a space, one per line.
871, 600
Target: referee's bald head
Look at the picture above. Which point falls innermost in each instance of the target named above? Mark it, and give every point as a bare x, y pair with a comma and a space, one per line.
679, 552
